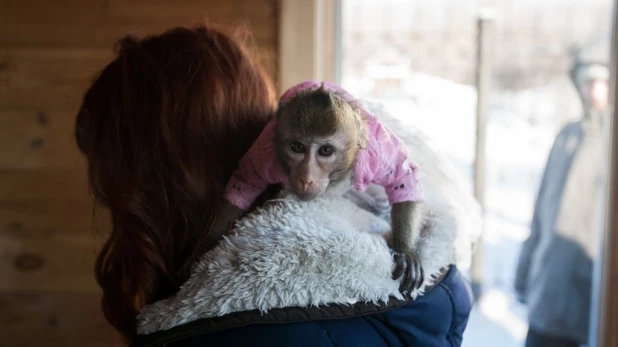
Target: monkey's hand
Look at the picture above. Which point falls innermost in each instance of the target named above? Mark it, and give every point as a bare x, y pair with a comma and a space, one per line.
223, 221
408, 264
405, 218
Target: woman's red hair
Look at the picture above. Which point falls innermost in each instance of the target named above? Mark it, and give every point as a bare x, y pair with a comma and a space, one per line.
162, 127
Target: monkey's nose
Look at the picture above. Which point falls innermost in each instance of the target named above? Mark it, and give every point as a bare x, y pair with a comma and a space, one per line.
305, 184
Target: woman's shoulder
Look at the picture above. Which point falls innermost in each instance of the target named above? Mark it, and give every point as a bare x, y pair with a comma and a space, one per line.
436, 318
442, 312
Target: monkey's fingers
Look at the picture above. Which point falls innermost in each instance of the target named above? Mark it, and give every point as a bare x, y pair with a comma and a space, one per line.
407, 280
400, 265
409, 277
421, 272
414, 275
419, 275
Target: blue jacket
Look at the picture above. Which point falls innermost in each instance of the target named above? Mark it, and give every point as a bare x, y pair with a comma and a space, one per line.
436, 319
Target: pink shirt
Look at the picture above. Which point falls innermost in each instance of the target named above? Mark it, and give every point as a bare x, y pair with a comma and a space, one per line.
384, 161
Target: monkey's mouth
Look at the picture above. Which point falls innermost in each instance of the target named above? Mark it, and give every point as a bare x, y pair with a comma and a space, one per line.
308, 196
307, 193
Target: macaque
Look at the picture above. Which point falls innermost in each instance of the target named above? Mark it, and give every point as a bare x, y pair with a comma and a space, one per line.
319, 141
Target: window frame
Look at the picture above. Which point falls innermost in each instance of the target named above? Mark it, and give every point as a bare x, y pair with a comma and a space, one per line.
604, 317
316, 25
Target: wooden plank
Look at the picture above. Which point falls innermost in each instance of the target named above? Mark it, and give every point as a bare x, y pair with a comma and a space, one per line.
54, 320
60, 186
38, 139
53, 217
48, 79
158, 10
70, 23
48, 261
23, 67
43, 97
268, 58
52, 79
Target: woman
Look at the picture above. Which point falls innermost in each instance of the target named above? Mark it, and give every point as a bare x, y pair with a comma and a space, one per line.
162, 127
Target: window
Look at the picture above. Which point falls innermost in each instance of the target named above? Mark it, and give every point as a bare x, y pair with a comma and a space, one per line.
419, 59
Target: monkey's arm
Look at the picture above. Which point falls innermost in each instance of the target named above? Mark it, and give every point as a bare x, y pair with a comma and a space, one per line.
405, 220
398, 174
223, 221
257, 169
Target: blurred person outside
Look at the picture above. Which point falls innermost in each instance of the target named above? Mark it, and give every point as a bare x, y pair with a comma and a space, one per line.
555, 269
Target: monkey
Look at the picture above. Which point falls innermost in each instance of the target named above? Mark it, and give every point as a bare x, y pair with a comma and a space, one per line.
319, 141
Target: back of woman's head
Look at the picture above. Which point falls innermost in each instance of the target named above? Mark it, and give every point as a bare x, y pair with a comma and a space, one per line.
162, 128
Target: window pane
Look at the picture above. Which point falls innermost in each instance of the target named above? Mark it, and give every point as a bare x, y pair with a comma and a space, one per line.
549, 79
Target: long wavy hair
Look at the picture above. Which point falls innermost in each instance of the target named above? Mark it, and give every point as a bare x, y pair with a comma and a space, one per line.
162, 128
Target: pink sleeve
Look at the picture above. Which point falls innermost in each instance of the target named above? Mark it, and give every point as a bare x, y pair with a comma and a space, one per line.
257, 169
386, 161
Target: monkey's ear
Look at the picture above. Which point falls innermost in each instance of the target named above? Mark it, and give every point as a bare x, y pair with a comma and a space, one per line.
362, 129
281, 106
362, 138
322, 88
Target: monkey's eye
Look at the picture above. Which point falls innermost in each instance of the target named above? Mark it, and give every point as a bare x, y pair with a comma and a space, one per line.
325, 151
297, 147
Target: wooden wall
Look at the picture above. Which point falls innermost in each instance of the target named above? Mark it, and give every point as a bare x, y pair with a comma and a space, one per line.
49, 52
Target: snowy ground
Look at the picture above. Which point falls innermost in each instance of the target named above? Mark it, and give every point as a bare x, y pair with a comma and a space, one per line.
520, 130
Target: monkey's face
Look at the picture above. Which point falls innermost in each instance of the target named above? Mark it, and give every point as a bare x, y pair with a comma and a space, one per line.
312, 164
318, 136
